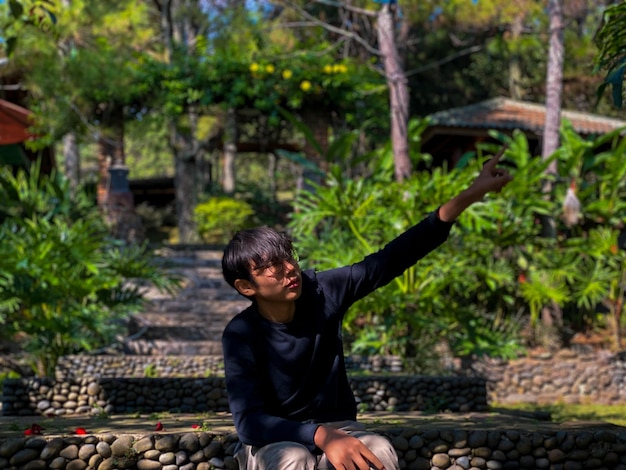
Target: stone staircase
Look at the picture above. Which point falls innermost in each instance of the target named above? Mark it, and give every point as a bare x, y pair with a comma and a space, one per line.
190, 322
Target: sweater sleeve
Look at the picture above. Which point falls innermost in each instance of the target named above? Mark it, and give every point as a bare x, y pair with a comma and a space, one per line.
254, 425
351, 283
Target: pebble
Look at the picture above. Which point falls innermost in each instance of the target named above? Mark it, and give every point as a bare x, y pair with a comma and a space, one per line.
203, 450
429, 448
26, 397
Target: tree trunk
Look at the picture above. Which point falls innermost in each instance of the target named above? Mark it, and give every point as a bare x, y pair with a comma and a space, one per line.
554, 90
178, 29
104, 158
186, 199
554, 83
186, 150
515, 66
317, 121
272, 167
117, 124
71, 158
230, 152
398, 93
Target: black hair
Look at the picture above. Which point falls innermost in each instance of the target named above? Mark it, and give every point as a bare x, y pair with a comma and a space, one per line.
260, 247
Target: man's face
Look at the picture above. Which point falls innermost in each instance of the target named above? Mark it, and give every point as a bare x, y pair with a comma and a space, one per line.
279, 282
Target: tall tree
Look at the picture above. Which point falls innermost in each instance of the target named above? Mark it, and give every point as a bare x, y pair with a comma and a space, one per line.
554, 82
71, 150
398, 90
554, 91
552, 313
494, 56
384, 47
82, 76
181, 34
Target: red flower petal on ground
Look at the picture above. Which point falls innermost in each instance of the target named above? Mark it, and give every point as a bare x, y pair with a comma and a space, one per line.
81, 431
159, 427
521, 279
35, 429
195, 426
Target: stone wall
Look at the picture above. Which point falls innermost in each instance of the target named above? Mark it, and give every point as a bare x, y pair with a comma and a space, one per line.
76, 366
566, 376
431, 448
48, 397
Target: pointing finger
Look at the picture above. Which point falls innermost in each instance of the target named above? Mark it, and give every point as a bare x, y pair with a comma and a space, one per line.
492, 162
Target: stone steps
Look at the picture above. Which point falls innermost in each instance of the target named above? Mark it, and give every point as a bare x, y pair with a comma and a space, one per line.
191, 321
215, 314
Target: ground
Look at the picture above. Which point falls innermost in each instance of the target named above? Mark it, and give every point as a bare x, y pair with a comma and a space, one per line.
14, 426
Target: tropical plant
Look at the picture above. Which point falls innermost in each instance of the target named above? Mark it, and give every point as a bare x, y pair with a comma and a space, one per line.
345, 219
66, 285
510, 273
601, 279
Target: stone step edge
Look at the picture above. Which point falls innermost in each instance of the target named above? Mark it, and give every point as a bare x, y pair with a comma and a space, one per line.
216, 449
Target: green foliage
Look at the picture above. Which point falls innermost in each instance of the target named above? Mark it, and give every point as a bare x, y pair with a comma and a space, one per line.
148, 154
486, 287
219, 217
83, 72
346, 219
67, 286
475, 62
38, 14
611, 55
7, 375
28, 194
266, 84
150, 371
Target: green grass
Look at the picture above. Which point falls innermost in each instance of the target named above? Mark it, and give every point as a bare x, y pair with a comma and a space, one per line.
614, 414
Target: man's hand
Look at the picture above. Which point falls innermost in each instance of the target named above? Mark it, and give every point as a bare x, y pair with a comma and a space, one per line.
344, 451
491, 178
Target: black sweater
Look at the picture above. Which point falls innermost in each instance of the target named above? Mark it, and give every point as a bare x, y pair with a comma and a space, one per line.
283, 379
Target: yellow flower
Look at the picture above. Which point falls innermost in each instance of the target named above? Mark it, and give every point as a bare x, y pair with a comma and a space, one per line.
336, 68
328, 68
287, 74
341, 68
269, 68
305, 85
254, 67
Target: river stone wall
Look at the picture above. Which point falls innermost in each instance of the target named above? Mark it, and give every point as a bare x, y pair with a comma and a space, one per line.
424, 449
565, 376
568, 376
48, 397
76, 366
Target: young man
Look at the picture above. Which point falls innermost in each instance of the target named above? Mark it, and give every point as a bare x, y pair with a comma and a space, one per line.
287, 385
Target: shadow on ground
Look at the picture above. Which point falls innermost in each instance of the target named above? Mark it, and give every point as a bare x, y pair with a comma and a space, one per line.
221, 423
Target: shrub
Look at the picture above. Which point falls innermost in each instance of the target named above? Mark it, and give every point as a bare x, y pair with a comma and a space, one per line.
220, 217
490, 282
65, 285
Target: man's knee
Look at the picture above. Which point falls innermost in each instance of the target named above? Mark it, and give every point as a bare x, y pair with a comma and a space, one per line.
280, 456
381, 447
